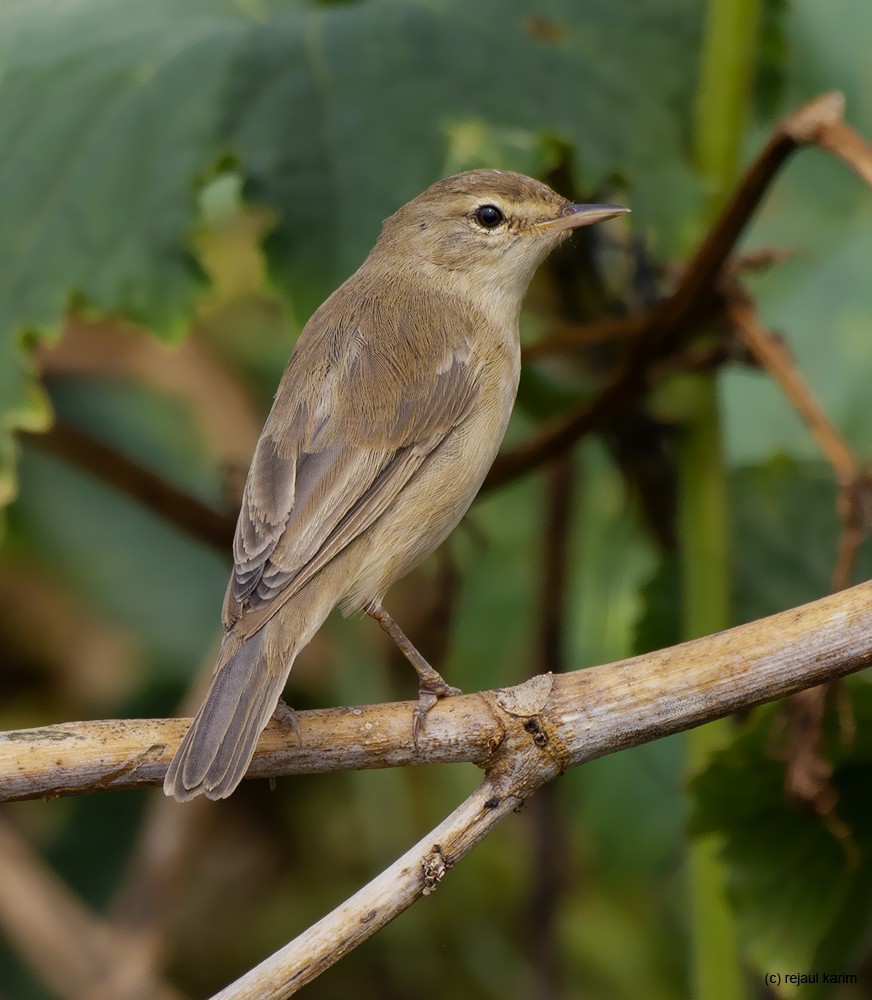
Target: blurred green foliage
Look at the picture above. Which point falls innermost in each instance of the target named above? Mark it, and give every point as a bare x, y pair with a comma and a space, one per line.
112, 114
211, 170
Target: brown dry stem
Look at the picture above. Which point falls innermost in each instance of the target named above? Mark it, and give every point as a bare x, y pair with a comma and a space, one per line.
774, 357
695, 299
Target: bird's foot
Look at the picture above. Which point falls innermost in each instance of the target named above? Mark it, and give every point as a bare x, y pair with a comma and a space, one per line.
429, 692
287, 718
431, 685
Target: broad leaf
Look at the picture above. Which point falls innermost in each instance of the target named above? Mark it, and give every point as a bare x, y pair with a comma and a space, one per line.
112, 110
801, 885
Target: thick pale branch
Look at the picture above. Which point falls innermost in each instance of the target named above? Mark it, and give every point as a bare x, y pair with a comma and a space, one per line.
579, 715
567, 719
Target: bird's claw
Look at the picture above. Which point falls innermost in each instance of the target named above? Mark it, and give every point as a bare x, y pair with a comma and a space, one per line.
428, 695
287, 718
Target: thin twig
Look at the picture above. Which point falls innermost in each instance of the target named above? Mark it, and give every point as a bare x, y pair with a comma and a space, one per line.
572, 336
855, 484
567, 336
855, 509
799, 128
692, 302
809, 773
172, 503
774, 357
849, 146
417, 873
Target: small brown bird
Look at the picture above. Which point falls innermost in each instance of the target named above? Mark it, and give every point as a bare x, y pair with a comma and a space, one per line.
388, 416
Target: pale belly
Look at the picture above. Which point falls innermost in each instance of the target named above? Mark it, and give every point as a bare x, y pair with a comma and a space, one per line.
429, 508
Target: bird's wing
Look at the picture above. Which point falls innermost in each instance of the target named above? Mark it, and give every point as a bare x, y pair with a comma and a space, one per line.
359, 409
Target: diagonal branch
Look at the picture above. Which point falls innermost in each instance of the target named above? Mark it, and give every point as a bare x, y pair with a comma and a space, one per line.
830, 133
415, 874
854, 482
179, 508
696, 297
558, 728
523, 736
774, 357
809, 773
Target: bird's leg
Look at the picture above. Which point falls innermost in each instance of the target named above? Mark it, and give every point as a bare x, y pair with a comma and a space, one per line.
286, 717
431, 686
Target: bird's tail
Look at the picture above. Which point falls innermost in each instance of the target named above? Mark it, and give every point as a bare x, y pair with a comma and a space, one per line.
215, 753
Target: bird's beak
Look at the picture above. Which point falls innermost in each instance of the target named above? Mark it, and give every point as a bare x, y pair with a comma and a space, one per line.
575, 216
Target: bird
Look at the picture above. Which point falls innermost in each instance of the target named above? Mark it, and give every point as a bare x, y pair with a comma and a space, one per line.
389, 414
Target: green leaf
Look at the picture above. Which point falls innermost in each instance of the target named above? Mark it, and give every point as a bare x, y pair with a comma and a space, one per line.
802, 892
786, 530
107, 115
112, 111
388, 95
785, 535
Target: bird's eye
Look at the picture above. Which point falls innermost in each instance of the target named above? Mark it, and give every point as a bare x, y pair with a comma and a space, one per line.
489, 216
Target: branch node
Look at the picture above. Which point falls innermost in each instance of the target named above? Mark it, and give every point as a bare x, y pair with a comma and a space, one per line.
527, 699
434, 867
805, 124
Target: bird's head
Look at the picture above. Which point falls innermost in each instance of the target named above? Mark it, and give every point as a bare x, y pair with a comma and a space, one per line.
484, 229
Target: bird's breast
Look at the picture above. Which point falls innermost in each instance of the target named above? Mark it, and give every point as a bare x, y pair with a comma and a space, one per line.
440, 493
